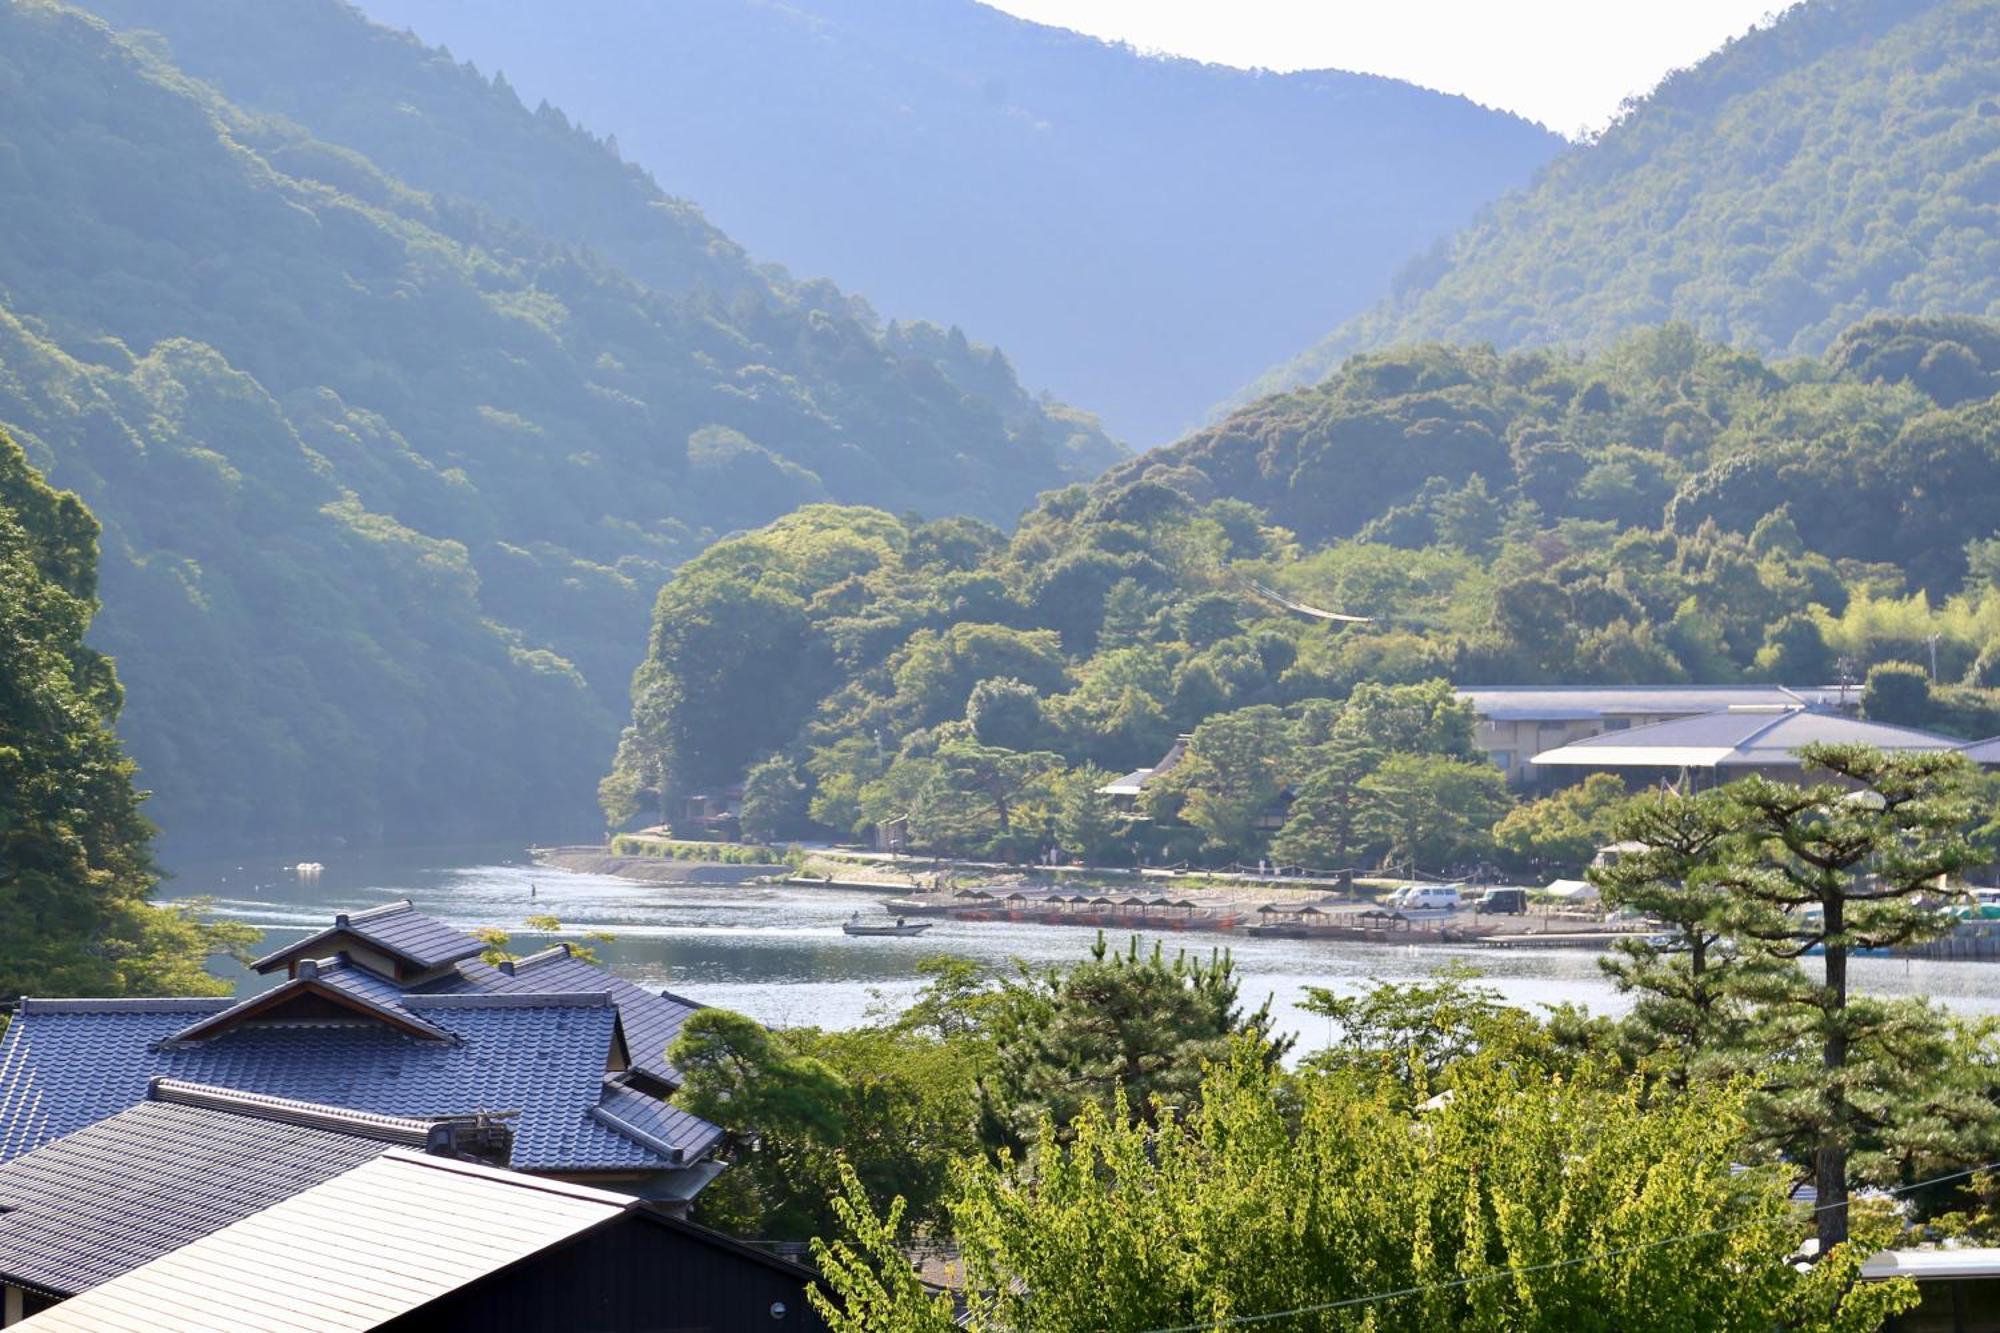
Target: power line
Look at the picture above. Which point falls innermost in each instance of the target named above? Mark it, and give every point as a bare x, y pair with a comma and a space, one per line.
1402, 1293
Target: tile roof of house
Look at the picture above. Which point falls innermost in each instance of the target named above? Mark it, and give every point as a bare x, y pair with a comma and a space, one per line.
651, 1019
67, 1064
308, 982
411, 1229
1558, 703
1736, 739
157, 1175
396, 928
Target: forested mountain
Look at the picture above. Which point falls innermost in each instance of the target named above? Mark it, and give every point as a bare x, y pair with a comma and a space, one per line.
1842, 161
1667, 510
75, 866
390, 467
1142, 234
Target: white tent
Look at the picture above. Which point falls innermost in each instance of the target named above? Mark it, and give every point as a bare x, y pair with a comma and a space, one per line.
1571, 891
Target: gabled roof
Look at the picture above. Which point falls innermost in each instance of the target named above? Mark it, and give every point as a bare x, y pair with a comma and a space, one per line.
1740, 738
397, 929
67, 1064
276, 1004
411, 1229
128, 1189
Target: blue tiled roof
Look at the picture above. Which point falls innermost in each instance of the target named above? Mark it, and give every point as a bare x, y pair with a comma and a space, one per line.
652, 1019
396, 928
68, 1064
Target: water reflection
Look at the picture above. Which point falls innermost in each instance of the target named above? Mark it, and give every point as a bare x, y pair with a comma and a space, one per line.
777, 954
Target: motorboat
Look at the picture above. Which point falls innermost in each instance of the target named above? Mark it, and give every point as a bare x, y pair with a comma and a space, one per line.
854, 925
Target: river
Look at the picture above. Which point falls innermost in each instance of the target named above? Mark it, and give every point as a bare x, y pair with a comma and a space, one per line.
778, 955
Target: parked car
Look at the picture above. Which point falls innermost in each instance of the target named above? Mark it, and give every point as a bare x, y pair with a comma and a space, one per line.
1502, 902
1429, 898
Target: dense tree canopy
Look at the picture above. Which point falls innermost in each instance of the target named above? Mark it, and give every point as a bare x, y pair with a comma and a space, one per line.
1667, 511
76, 870
394, 438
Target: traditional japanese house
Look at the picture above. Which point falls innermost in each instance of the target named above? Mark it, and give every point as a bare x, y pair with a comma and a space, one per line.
393, 1013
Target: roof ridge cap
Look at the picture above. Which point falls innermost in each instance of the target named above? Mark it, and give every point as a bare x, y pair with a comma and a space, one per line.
150, 1004
413, 1130
560, 949
382, 909
512, 999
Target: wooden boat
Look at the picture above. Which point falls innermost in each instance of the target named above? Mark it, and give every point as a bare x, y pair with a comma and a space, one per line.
901, 927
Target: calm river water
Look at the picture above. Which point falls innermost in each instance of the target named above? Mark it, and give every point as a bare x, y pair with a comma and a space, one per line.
777, 954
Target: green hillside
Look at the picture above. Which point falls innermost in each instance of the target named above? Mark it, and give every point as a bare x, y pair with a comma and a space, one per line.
1841, 162
1143, 233
1668, 510
390, 469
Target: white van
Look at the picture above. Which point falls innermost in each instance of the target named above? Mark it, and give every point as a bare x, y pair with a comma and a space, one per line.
1429, 898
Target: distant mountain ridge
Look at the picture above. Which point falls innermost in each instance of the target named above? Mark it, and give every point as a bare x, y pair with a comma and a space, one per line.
391, 465
1840, 162
1143, 234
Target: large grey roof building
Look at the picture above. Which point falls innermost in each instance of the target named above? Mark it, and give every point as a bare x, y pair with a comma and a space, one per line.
1740, 740
1518, 722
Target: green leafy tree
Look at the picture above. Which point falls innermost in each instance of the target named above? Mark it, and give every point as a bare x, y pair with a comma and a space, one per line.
1563, 830
1523, 1202
1414, 1033
1898, 692
1233, 771
1086, 824
1005, 713
774, 801
976, 797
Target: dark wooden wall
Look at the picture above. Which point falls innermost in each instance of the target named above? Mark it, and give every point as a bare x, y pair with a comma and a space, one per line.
635, 1275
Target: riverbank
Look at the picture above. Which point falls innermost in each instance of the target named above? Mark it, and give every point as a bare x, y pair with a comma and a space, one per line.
600, 860
1147, 899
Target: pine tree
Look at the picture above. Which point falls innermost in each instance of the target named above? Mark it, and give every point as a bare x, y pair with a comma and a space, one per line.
1132, 1024
1855, 862
1689, 1017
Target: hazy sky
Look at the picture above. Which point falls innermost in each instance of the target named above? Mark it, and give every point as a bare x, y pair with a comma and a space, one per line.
1566, 63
